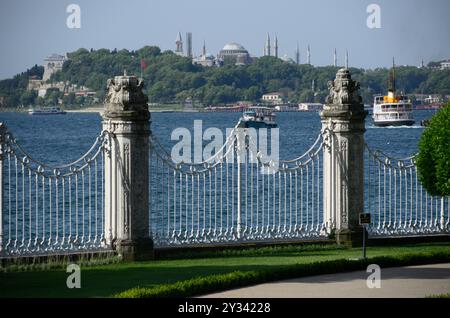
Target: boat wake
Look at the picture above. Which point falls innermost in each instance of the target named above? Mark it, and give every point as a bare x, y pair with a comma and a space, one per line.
395, 127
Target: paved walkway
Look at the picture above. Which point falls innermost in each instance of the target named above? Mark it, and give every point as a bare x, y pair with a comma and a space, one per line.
402, 282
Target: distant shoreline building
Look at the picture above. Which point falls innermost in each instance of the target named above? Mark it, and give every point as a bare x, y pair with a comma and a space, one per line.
310, 107
235, 52
52, 64
445, 65
179, 45
275, 98
205, 59
287, 59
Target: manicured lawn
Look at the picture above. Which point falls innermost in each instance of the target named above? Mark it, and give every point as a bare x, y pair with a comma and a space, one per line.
106, 280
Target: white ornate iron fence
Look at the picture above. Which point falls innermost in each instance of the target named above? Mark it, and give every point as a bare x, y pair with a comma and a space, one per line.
237, 195
397, 201
50, 209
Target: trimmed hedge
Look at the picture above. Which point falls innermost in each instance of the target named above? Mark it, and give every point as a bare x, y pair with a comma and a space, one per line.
197, 253
215, 283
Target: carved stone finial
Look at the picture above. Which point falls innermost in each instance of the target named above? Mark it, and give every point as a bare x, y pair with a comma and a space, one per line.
125, 99
343, 90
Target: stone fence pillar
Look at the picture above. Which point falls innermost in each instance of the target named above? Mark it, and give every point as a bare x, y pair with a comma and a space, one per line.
127, 119
343, 126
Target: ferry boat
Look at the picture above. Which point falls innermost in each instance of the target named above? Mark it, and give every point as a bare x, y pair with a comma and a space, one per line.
258, 117
393, 109
46, 111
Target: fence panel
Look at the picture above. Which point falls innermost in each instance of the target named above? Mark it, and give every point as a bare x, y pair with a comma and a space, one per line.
400, 206
237, 195
49, 209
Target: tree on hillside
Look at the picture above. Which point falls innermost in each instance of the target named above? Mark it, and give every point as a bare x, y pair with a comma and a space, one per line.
434, 64
433, 161
69, 99
28, 98
52, 96
306, 96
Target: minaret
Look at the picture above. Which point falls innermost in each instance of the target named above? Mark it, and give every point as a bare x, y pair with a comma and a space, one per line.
189, 44
179, 44
346, 58
276, 46
267, 47
297, 55
204, 48
335, 58
308, 55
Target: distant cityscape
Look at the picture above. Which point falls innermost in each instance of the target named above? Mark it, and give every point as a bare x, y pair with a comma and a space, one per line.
232, 52
238, 54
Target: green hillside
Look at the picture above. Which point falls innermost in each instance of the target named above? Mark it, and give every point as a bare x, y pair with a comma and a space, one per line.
171, 78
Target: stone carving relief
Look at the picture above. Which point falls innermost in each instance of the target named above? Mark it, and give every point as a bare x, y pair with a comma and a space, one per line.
343, 90
125, 98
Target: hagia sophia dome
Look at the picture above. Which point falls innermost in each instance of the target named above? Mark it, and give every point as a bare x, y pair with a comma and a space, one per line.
236, 52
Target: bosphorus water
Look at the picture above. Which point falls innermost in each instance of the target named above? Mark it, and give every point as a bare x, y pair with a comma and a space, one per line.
63, 138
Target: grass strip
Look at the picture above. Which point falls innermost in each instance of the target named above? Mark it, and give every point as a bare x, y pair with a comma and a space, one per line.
443, 296
215, 283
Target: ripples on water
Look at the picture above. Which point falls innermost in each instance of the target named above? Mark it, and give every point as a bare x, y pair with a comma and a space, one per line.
64, 138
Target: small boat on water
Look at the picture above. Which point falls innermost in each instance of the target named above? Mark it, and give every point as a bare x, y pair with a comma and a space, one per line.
393, 109
46, 111
258, 117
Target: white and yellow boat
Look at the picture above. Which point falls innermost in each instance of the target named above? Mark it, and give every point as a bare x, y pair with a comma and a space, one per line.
392, 110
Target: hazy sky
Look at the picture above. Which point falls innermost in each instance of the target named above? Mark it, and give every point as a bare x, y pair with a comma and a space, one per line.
410, 29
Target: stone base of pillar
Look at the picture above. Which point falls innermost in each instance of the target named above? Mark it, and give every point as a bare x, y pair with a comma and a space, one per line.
350, 238
136, 250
